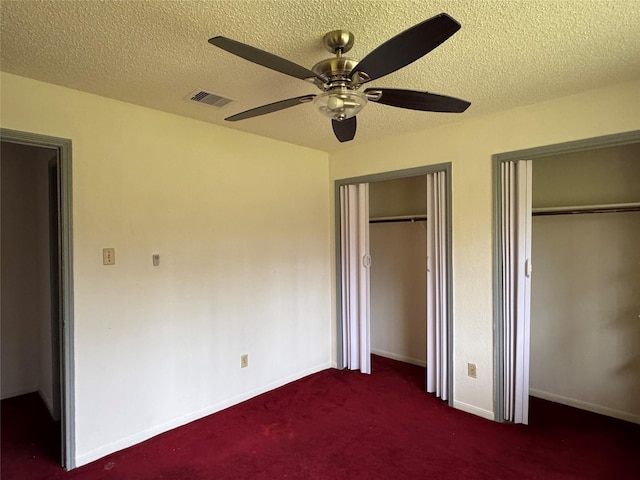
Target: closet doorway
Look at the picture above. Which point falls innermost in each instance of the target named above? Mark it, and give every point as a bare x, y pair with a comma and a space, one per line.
398, 247
398, 301
584, 338
37, 295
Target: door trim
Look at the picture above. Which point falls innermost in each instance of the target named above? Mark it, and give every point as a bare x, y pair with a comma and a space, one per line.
604, 141
67, 373
377, 177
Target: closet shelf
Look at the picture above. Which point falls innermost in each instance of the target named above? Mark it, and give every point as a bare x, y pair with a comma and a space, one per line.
578, 209
398, 218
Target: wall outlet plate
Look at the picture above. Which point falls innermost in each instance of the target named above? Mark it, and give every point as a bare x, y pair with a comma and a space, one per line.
244, 360
471, 370
108, 256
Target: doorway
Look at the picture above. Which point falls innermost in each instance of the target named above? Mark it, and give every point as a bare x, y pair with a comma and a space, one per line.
442, 198
398, 243
37, 285
554, 225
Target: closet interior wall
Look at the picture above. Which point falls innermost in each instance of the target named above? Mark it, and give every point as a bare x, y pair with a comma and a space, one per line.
398, 247
25, 312
585, 327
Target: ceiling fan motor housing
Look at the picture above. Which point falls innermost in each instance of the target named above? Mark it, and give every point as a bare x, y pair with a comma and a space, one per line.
335, 69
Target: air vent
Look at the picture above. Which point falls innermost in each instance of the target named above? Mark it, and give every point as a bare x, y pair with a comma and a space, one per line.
208, 98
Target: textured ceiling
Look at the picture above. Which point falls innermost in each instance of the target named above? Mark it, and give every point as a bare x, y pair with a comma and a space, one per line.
155, 53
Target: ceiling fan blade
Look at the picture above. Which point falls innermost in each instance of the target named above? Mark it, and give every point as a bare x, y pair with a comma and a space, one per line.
270, 108
263, 58
406, 47
345, 130
425, 101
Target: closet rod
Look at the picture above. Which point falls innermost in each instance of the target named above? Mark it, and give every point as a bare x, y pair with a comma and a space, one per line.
400, 218
610, 208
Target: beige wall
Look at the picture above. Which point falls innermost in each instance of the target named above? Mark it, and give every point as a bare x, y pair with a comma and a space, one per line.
241, 224
469, 146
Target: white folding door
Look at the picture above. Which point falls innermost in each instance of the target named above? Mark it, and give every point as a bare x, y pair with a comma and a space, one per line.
437, 315
355, 274
516, 287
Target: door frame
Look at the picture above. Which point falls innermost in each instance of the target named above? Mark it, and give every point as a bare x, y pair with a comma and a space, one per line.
392, 175
66, 324
593, 143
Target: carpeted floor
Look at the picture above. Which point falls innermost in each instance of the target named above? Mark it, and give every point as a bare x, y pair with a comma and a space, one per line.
345, 425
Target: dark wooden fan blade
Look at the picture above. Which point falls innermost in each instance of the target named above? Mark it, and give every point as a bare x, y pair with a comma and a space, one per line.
263, 58
270, 108
407, 47
345, 130
411, 99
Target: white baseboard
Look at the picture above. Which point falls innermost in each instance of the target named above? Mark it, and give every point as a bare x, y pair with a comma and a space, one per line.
591, 407
400, 358
19, 391
131, 440
480, 412
48, 401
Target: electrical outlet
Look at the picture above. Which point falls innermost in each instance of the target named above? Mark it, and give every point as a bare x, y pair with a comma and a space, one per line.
244, 360
471, 370
108, 256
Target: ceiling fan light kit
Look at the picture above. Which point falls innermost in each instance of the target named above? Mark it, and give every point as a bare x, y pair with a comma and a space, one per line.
340, 78
340, 103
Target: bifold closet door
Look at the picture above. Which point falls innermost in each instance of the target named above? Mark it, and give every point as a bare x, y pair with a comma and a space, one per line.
516, 286
437, 316
355, 263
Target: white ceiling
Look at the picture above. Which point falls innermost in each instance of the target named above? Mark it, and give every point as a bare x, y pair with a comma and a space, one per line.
155, 53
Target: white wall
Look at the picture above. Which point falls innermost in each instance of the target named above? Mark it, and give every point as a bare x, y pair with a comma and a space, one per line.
20, 323
469, 145
585, 337
598, 176
398, 291
46, 378
399, 196
585, 334
241, 224
26, 297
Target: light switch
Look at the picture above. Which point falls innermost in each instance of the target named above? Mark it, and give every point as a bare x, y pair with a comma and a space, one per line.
108, 256
156, 259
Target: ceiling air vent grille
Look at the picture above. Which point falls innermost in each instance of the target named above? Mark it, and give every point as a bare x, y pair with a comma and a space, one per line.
208, 98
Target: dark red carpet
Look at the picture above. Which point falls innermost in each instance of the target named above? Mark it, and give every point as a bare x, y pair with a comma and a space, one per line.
345, 425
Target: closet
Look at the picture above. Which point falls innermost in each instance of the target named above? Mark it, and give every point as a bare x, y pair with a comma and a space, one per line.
585, 295
29, 307
398, 246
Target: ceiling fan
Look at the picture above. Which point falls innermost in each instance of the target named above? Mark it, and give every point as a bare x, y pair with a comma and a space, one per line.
340, 78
